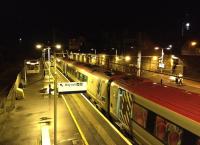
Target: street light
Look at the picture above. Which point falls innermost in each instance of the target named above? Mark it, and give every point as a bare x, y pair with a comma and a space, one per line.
127, 58
115, 53
161, 63
187, 26
38, 46
57, 46
193, 43
95, 53
48, 48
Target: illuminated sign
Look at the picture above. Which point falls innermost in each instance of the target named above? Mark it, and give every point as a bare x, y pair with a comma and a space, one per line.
161, 65
72, 87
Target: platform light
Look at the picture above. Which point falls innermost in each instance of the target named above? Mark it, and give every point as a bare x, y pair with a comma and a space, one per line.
28, 62
187, 26
58, 46
193, 43
169, 47
103, 55
127, 58
58, 60
38, 46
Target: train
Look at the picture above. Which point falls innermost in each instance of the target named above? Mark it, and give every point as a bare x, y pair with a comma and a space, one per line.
151, 113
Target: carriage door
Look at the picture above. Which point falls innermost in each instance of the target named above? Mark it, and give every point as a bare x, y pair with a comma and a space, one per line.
99, 86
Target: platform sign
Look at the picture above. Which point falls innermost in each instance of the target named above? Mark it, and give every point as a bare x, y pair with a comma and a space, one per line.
161, 65
72, 87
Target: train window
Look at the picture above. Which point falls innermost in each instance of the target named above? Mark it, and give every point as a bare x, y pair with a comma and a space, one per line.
78, 75
67, 68
85, 78
198, 141
139, 115
81, 77
190, 139
150, 121
71, 71
167, 132
99, 88
74, 72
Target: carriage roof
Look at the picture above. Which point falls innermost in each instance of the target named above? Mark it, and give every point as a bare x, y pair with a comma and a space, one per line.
95, 70
178, 100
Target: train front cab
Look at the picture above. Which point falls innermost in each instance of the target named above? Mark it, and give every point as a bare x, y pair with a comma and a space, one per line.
150, 123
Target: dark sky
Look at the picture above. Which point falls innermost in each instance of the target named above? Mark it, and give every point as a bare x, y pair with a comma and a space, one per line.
34, 20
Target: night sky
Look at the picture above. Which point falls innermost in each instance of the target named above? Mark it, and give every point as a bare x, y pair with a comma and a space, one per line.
36, 21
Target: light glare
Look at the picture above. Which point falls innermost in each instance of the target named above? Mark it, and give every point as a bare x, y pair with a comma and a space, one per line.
58, 46
193, 43
38, 46
127, 58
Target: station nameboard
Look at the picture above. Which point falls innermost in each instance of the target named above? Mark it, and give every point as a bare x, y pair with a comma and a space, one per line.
72, 87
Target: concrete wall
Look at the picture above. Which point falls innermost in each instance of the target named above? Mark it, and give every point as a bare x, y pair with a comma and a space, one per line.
8, 103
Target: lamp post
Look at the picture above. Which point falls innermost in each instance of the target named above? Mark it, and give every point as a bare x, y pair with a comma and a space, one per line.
39, 46
49, 62
115, 52
95, 54
43, 54
25, 77
57, 46
185, 26
161, 63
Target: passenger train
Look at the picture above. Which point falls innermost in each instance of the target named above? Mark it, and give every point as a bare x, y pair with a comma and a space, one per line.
153, 114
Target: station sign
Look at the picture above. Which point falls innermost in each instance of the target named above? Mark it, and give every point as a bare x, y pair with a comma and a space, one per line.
72, 87
161, 65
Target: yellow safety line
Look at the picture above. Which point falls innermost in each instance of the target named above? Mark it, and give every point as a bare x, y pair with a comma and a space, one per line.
77, 125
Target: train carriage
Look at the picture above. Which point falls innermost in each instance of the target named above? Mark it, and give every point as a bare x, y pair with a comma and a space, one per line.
97, 80
156, 114
153, 114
